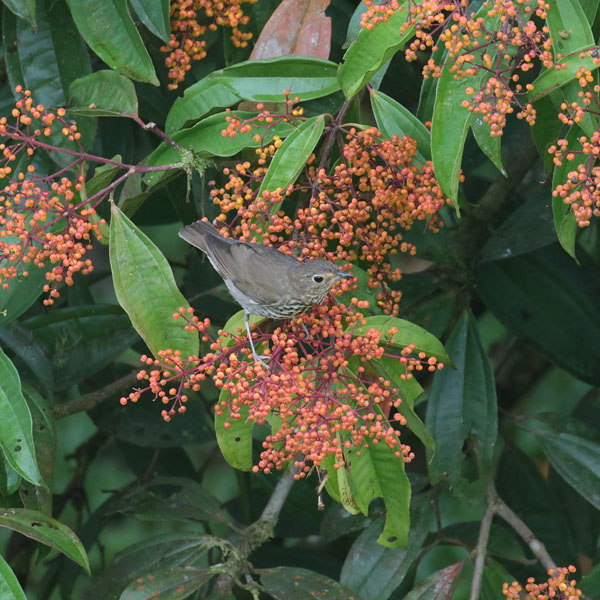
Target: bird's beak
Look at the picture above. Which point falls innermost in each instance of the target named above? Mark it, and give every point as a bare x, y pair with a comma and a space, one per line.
343, 275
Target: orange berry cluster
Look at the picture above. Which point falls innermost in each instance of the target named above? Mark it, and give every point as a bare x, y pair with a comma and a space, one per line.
581, 190
186, 46
358, 213
558, 586
322, 391
39, 221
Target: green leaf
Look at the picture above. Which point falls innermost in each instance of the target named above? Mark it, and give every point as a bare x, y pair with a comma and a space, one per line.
490, 146
44, 61
552, 79
373, 571
258, 81
462, 411
547, 127
149, 556
235, 441
285, 583
376, 472
571, 32
10, 589
146, 289
550, 301
21, 294
155, 16
24, 9
103, 94
174, 583
206, 140
408, 333
449, 127
44, 438
28, 348
393, 119
122, 49
564, 218
438, 586
47, 531
291, 157
16, 437
82, 340
574, 451
373, 48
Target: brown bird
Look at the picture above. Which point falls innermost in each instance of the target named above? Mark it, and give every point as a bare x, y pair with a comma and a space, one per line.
261, 279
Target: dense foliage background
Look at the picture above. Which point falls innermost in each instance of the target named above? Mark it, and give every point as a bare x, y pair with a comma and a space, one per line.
472, 328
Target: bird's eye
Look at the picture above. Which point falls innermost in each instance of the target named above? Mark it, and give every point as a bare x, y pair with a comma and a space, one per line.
317, 278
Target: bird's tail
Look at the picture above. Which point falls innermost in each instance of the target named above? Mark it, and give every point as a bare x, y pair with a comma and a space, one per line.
196, 233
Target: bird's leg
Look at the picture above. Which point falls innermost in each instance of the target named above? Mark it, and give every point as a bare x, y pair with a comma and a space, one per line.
257, 357
305, 330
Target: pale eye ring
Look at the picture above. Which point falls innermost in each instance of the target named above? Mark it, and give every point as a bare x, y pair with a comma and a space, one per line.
317, 278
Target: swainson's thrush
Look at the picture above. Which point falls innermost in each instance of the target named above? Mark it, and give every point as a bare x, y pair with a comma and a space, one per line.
261, 279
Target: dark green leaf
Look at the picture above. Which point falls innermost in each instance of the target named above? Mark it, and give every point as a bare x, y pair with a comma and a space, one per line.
462, 410
25, 9
393, 119
146, 289
47, 531
438, 586
155, 16
10, 588
82, 340
174, 583
21, 294
574, 451
544, 297
103, 94
44, 437
122, 49
489, 145
30, 351
373, 48
284, 583
44, 61
16, 437
373, 571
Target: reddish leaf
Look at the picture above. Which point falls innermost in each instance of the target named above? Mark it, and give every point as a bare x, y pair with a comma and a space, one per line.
297, 27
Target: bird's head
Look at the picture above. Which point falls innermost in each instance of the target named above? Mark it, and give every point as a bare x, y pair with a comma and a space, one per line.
317, 277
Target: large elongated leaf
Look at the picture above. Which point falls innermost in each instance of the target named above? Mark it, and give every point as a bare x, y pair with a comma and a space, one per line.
372, 570
16, 436
10, 588
291, 156
235, 440
393, 119
574, 451
284, 583
462, 409
373, 48
154, 14
438, 586
25, 9
567, 16
46, 530
123, 49
21, 294
378, 473
544, 297
146, 289
103, 94
82, 340
174, 583
45, 61
256, 80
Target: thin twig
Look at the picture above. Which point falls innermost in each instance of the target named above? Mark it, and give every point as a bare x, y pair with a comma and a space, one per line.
89, 401
482, 542
502, 509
